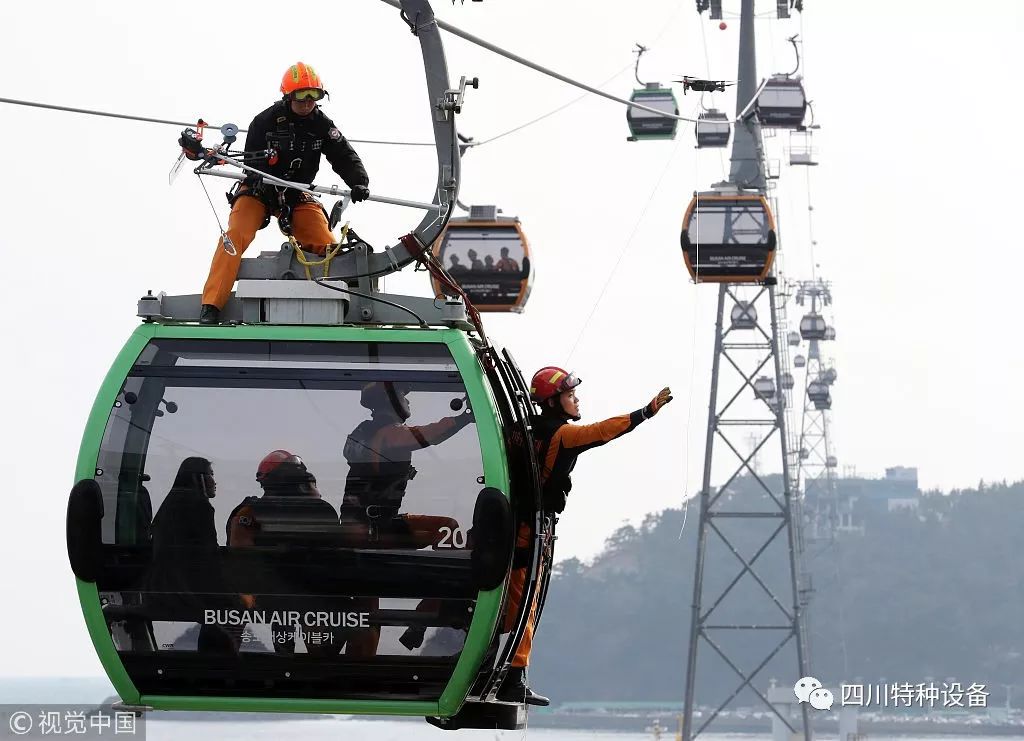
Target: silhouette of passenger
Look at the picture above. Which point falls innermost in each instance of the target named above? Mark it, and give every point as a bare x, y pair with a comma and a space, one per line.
474, 261
379, 453
506, 264
186, 574
456, 266
290, 512
489, 264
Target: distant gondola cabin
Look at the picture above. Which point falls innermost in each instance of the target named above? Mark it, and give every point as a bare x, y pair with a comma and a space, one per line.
813, 327
782, 103
728, 237
818, 394
712, 129
743, 315
646, 124
489, 257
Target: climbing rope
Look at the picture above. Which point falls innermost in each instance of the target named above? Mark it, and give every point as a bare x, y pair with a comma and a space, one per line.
324, 262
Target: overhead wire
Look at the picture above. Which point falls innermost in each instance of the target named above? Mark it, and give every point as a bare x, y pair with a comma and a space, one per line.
707, 68
172, 122
622, 253
558, 76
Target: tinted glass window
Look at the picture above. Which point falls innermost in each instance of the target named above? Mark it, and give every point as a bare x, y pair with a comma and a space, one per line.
479, 252
291, 500
728, 222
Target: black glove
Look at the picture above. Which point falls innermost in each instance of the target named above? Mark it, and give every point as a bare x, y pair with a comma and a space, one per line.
190, 144
360, 193
664, 397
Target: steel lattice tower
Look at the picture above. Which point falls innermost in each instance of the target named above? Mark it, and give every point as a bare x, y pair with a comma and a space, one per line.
816, 481
747, 583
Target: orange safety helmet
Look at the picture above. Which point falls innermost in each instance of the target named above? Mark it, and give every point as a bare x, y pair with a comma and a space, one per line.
300, 76
550, 381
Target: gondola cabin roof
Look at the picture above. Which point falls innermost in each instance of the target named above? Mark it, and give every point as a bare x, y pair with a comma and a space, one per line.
712, 129
728, 236
647, 125
782, 103
489, 256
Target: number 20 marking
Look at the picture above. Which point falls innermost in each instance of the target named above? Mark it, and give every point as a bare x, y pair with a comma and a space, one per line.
452, 538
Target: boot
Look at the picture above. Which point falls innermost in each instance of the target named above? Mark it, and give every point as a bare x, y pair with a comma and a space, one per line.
209, 314
514, 689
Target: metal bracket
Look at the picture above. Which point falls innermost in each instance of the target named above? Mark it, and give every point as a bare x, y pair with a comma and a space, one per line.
150, 307
453, 99
391, 257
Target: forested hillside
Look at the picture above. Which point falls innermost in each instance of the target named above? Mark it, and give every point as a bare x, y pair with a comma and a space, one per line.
926, 594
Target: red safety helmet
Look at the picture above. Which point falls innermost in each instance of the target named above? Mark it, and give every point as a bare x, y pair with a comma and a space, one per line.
273, 461
550, 381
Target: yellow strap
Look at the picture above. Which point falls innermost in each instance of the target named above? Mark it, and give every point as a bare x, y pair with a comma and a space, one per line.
306, 263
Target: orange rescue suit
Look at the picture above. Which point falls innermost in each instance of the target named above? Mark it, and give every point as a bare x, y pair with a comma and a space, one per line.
558, 445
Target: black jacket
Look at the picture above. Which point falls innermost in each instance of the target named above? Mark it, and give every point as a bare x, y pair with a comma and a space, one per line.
298, 143
559, 444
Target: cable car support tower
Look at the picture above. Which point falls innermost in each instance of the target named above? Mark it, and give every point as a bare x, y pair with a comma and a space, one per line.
746, 613
816, 482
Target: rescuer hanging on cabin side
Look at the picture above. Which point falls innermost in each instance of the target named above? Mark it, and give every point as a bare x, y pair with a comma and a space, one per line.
559, 444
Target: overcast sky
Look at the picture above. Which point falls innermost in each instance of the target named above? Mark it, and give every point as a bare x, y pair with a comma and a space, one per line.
913, 215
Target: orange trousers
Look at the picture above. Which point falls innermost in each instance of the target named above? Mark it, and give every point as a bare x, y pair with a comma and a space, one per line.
309, 227
516, 587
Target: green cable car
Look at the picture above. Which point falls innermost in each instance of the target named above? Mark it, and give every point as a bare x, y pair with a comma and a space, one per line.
647, 125
313, 508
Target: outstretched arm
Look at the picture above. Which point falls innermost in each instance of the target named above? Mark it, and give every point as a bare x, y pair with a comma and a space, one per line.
406, 439
584, 437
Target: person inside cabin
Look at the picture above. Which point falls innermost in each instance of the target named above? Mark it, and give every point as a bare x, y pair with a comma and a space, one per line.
558, 444
185, 576
290, 137
456, 267
290, 513
474, 261
379, 452
489, 264
506, 264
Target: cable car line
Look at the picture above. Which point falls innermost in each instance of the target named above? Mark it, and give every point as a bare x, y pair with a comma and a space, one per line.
568, 80
169, 122
549, 113
622, 254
